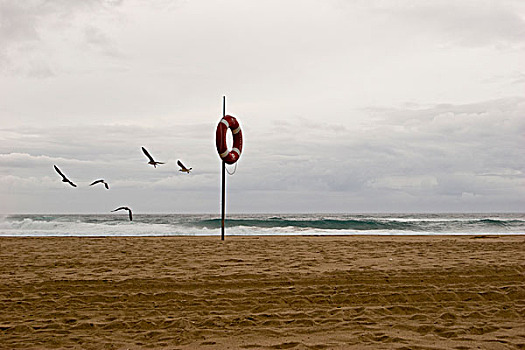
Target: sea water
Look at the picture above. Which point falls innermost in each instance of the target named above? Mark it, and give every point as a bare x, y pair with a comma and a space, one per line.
260, 224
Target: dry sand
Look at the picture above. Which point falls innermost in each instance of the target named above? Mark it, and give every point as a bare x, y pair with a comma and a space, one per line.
353, 292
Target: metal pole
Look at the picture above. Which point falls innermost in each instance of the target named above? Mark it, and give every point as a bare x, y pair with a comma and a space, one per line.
223, 204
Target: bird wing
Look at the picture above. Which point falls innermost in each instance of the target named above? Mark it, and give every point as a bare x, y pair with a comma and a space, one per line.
71, 183
129, 211
181, 165
106, 184
59, 172
147, 154
96, 182
122, 208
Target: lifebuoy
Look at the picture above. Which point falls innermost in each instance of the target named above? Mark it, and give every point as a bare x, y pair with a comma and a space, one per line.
229, 122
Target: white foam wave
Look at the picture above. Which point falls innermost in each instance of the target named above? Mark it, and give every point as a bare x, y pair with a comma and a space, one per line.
36, 228
29, 227
20, 226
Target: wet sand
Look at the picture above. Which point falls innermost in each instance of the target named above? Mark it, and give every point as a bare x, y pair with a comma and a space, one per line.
352, 292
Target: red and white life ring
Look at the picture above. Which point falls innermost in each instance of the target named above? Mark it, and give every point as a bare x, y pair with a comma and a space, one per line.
229, 122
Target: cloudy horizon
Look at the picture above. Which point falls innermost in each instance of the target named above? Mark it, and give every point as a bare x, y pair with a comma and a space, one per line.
346, 107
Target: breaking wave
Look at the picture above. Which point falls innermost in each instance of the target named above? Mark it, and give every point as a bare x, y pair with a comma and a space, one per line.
260, 224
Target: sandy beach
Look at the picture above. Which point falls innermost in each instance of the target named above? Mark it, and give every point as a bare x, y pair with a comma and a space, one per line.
316, 292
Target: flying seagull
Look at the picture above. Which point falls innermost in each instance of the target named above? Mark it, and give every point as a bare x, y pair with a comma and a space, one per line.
151, 160
129, 211
64, 178
183, 168
100, 181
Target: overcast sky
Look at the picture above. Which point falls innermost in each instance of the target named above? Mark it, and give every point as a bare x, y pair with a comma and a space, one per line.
345, 106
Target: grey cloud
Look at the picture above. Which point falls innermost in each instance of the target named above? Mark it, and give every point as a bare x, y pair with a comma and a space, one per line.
444, 153
32, 31
298, 79
519, 78
25, 160
465, 22
112, 152
27, 185
443, 149
18, 22
96, 38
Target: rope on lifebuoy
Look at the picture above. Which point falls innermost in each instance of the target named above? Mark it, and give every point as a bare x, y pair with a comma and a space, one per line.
234, 170
229, 156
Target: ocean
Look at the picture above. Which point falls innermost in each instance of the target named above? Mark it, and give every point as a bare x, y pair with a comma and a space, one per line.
260, 224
